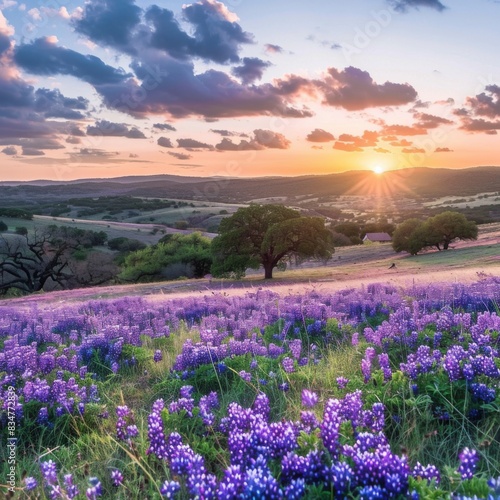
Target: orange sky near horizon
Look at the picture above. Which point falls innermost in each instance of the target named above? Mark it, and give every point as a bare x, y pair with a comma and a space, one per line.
214, 88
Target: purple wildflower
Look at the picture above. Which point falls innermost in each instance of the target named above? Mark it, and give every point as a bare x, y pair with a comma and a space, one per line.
468, 462
116, 477
169, 489
309, 398
287, 364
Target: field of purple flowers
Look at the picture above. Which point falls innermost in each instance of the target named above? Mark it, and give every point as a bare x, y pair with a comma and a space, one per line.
372, 393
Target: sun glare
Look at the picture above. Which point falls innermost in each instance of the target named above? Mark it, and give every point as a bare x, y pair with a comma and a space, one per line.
378, 170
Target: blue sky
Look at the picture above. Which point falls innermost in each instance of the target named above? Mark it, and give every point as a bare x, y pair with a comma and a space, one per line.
122, 87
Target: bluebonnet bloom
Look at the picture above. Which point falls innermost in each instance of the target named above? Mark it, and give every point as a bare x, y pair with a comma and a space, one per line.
186, 391
157, 356
342, 382
71, 489
383, 360
247, 377
43, 417
169, 489
309, 398
95, 489
30, 483
287, 364
284, 387
468, 463
49, 472
429, 472
116, 477
156, 435
295, 347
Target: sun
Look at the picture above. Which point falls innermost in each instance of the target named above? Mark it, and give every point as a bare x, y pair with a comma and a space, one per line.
377, 169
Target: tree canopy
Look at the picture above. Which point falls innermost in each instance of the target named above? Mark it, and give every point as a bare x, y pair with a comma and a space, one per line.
267, 235
413, 235
174, 256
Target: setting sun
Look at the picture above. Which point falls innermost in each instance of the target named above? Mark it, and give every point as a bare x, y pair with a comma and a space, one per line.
378, 170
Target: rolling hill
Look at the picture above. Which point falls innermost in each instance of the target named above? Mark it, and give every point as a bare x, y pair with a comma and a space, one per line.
417, 183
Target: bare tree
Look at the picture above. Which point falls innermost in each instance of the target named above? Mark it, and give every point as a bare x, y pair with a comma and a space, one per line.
43, 259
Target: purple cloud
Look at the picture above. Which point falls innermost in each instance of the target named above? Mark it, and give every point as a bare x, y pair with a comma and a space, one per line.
354, 89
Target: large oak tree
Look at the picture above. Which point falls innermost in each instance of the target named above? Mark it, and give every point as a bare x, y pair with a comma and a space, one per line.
267, 235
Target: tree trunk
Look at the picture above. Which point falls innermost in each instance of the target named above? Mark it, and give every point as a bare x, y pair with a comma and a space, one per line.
268, 270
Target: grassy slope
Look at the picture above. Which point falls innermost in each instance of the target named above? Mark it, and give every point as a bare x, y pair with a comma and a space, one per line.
350, 267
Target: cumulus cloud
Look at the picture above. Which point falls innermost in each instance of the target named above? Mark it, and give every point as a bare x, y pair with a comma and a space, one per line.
35, 14
41, 57
216, 35
32, 143
251, 70
405, 5
75, 130
105, 128
244, 145
381, 150
32, 152
7, 4
92, 154
443, 150
165, 142
262, 139
164, 126
403, 130
55, 105
428, 121
487, 103
9, 151
109, 22
193, 145
480, 125
177, 91
25, 113
271, 48
270, 139
216, 31
403, 143
354, 89
227, 133
413, 150
446, 102
482, 112
353, 143
180, 156
320, 135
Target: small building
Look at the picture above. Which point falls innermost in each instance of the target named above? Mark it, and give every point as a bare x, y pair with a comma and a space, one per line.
377, 238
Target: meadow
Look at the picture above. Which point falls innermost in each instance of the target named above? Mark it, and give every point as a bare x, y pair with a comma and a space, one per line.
380, 391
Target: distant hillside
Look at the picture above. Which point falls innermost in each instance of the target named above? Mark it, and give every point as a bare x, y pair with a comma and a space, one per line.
408, 183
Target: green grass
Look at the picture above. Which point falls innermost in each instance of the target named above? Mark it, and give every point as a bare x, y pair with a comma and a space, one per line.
458, 257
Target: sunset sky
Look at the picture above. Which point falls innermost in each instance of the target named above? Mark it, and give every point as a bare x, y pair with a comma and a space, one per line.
104, 88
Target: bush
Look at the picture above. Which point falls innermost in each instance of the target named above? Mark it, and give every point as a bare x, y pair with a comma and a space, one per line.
123, 244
